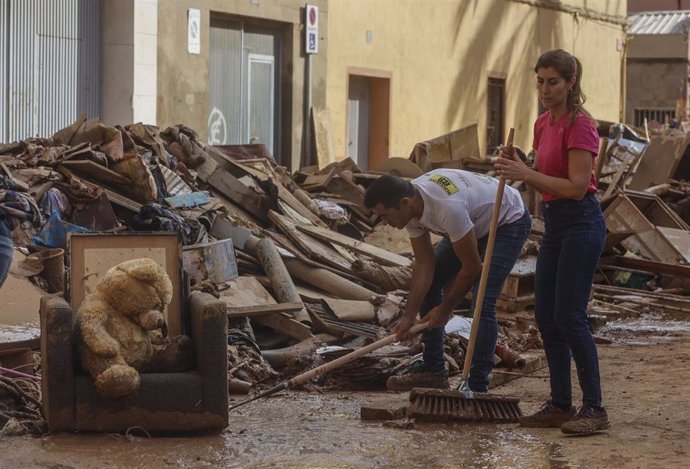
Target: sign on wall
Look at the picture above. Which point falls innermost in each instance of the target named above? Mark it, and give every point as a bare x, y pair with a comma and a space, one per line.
311, 23
194, 31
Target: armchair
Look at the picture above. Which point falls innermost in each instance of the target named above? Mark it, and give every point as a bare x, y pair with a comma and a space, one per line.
165, 402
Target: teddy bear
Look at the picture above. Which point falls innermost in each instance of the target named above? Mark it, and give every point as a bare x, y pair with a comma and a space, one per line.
121, 330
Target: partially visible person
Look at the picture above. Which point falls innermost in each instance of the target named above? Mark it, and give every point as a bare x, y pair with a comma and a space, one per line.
566, 143
457, 205
6, 249
15, 207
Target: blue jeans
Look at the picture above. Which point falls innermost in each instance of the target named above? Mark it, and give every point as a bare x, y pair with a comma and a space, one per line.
6, 250
570, 250
509, 241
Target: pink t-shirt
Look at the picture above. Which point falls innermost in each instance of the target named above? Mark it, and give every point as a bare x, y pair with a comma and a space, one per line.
552, 142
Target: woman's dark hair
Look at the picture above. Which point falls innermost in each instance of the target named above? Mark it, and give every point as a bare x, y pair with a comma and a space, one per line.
388, 190
567, 66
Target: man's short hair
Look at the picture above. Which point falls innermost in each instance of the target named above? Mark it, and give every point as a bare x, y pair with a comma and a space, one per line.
388, 190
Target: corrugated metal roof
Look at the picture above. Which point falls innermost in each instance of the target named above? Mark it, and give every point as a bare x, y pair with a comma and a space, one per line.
659, 22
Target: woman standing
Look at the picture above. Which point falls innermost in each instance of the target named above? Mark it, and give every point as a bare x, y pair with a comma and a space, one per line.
566, 143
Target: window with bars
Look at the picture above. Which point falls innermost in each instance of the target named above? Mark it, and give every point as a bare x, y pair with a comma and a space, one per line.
653, 115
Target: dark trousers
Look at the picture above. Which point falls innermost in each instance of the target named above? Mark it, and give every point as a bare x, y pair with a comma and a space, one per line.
570, 250
6, 250
509, 241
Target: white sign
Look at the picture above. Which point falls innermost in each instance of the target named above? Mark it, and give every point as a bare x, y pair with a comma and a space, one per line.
194, 31
311, 29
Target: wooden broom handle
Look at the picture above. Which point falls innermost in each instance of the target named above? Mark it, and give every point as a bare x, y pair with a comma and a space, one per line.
325, 368
488, 254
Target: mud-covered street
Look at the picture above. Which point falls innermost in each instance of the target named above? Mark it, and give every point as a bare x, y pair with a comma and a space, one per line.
644, 374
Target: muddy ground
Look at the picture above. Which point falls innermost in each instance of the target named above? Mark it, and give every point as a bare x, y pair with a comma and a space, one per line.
645, 379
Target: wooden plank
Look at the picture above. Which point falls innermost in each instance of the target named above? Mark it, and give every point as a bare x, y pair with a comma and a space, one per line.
323, 138
679, 238
260, 310
352, 310
248, 291
534, 361
122, 201
659, 160
97, 172
283, 242
229, 186
284, 194
286, 325
666, 299
318, 181
312, 248
375, 252
647, 266
623, 216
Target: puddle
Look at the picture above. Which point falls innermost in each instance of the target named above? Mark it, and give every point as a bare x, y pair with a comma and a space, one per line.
647, 329
309, 431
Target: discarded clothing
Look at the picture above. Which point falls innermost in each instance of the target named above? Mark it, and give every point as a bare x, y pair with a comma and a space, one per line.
155, 217
18, 207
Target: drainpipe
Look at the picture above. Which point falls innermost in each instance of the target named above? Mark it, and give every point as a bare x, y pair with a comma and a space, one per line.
307, 113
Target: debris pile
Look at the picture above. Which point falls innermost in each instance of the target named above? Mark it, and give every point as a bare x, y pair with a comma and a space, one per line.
289, 254
301, 275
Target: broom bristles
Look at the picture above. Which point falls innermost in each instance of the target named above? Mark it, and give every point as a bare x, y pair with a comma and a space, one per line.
444, 405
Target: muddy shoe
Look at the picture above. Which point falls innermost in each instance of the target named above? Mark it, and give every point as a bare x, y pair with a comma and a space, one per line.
588, 420
549, 416
419, 377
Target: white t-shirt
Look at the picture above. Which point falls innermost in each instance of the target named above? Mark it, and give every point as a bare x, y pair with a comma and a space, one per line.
455, 201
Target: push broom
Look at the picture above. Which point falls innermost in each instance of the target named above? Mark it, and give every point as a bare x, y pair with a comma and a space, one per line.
463, 404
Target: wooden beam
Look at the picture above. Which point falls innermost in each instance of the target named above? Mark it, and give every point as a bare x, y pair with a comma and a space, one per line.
97, 172
286, 325
260, 310
648, 266
375, 252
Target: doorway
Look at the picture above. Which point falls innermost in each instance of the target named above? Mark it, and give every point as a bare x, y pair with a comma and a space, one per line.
244, 84
368, 121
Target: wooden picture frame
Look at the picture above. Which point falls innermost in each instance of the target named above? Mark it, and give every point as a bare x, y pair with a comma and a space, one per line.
90, 255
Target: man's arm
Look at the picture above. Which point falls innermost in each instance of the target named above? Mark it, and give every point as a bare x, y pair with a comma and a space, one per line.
467, 251
422, 277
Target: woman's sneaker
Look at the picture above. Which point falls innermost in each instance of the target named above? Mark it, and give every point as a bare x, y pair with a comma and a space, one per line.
587, 420
419, 376
549, 416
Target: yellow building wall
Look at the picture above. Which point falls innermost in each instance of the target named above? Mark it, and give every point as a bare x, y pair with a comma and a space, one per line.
441, 53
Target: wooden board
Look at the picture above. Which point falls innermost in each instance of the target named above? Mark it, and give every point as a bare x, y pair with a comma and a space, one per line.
352, 310
229, 186
623, 216
312, 248
284, 194
382, 255
96, 172
452, 147
648, 266
323, 137
260, 310
659, 160
122, 201
680, 239
535, 361
248, 291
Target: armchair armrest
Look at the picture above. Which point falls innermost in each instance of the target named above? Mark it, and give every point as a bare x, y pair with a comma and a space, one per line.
57, 362
210, 336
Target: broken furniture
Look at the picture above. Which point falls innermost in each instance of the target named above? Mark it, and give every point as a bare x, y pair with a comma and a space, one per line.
165, 402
